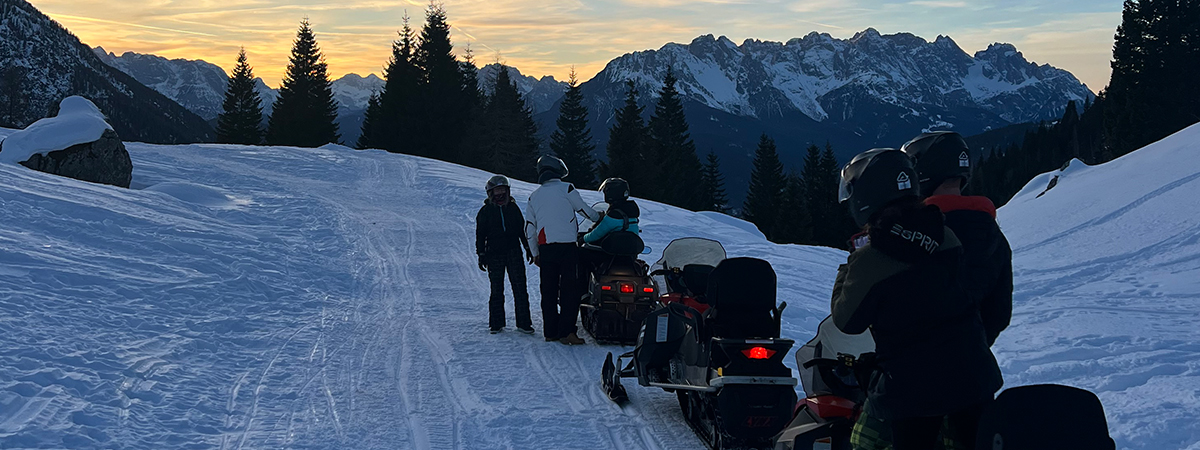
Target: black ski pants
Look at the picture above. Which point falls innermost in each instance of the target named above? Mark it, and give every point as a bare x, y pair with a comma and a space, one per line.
514, 263
560, 288
921, 433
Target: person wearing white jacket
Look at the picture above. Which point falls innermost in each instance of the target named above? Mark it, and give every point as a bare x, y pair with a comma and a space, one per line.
552, 229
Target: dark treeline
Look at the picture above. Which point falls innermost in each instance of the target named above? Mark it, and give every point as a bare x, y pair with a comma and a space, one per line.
1152, 94
431, 106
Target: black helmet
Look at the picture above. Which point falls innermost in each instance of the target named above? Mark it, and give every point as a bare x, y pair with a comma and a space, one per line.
875, 178
939, 156
552, 165
498, 180
614, 189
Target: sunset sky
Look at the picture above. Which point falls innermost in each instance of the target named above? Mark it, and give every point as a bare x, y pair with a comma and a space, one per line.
547, 37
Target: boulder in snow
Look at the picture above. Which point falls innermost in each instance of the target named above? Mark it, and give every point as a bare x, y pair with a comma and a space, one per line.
78, 143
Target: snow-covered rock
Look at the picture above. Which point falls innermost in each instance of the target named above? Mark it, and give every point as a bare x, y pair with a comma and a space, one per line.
77, 143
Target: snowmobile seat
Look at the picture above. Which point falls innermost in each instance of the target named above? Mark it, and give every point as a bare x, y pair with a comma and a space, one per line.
622, 266
741, 292
695, 279
622, 243
1044, 417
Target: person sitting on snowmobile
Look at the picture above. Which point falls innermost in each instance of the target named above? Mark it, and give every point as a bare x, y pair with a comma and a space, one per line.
499, 238
906, 285
552, 229
943, 163
622, 215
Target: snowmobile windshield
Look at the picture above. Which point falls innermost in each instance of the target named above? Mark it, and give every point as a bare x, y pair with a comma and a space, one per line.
684, 251
586, 224
828, 344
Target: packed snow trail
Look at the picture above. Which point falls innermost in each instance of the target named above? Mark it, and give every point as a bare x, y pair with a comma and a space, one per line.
268, 297
250, 297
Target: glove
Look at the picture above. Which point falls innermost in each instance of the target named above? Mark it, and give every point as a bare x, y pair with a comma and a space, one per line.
482, 264
537, 261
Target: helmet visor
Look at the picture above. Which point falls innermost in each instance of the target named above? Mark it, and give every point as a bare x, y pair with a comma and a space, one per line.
844, 187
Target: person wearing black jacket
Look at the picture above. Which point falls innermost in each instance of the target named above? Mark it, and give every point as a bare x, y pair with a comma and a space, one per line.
906, 285
943, 163
499, 238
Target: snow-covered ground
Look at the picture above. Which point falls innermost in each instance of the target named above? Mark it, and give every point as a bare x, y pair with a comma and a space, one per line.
271, 297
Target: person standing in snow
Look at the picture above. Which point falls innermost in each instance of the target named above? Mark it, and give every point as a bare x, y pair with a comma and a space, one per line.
499, 238
943, 163
552, 230
906, 284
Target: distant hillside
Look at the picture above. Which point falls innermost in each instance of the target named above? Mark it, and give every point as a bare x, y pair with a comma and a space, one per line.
46, 63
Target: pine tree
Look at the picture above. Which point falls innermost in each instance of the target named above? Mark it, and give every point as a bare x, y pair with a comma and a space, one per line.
1152, 92
840, 225
398, 102
372, 122
628, 140
445, 98
510, 136
765, 195
240, 121
793, 224
674, 151
14, 100
712, 186
305, 113
814, 183
572, 141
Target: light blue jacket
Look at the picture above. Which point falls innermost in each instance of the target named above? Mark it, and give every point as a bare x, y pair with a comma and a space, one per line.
607, 225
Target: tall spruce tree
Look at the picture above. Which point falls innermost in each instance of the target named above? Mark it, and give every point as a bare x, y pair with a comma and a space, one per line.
372, 122
510, 135
839, 225
398, 102
628, 141
793, 224
813, 185
679, 168
240, 121
305, 113
572, 141
765, 195
712, 188
445, 98
1152, 92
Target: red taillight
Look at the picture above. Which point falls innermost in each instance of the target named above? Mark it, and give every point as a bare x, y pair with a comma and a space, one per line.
626, 288
758, 353
648, 290
606, 288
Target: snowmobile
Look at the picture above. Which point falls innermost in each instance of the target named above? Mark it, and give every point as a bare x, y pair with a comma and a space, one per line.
835, 365
687, 262
619, 293
831, 365
725, 365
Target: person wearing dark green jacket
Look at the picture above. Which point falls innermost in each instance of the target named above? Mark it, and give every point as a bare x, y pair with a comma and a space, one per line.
906, 285
499, 239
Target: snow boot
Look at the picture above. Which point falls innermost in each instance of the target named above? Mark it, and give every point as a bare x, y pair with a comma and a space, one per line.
526, 330
495, 330
572, 339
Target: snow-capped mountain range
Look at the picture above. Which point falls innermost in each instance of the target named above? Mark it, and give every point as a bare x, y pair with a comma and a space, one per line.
540, 94
828, 79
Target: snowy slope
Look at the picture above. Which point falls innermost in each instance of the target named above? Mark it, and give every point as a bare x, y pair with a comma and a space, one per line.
271, 297
252, 297
1107, 269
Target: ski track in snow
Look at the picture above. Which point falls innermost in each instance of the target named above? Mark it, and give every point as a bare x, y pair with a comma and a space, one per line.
328, 298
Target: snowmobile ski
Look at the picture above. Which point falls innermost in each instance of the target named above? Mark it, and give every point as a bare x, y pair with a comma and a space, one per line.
611, 382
